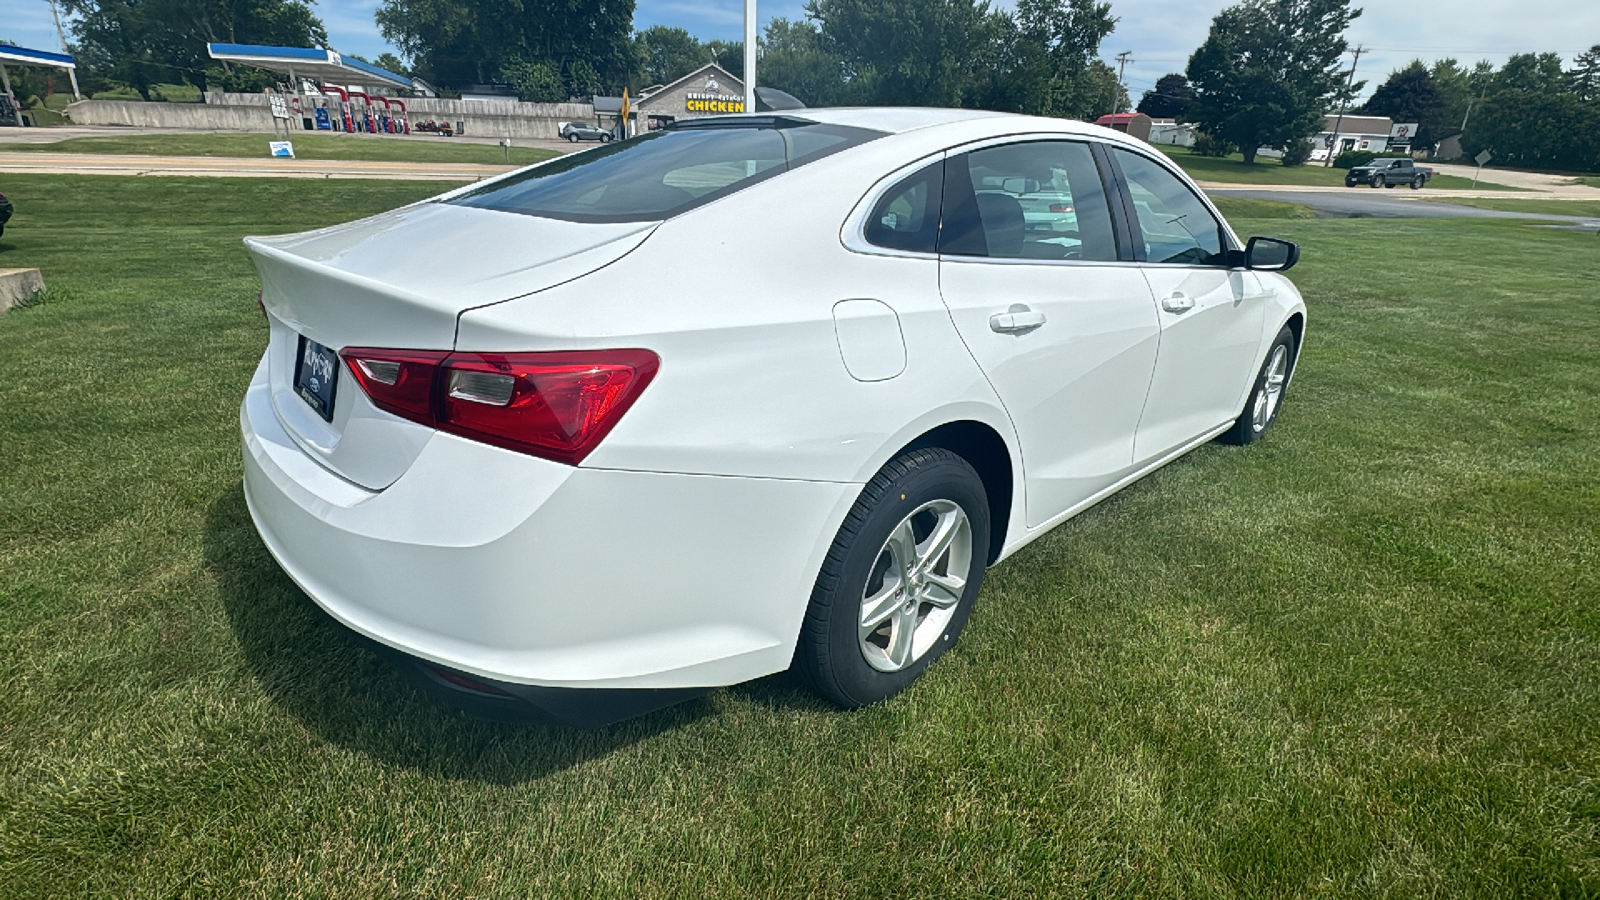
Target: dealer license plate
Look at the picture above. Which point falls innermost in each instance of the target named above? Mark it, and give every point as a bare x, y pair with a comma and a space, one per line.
316, 374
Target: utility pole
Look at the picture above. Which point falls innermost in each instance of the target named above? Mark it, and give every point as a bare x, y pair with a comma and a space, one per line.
1333, 141
1122, 65
62, 37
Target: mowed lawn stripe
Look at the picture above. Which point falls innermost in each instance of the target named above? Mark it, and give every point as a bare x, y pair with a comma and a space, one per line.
1357, 659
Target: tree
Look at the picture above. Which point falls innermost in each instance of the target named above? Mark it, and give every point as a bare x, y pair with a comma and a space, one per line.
145, 42
535, 82
1584, 77
458, 42
1539, 73
1268, 69
1049, 60
1460, 89
1409, 95
1537, 129
391, 63
794, 60
667, 54
1169, 99
914, 52
727, 54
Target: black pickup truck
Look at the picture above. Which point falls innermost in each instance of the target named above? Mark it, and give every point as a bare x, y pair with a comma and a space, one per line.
1388, 173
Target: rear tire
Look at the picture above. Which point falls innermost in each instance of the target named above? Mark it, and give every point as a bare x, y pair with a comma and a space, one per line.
898, 584
572, 138
1266, 397
1417, 182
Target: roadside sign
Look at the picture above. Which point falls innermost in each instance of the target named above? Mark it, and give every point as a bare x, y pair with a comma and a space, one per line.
1402, 133
280, 109
281, 149
1482, 157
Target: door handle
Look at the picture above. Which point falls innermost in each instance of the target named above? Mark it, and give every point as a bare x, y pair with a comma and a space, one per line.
1178, 303
1016, 320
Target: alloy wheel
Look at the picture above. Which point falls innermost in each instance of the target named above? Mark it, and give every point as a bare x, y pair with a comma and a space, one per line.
1271, 392
916, 582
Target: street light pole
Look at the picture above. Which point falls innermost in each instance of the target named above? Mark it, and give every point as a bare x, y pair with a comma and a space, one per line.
749, 56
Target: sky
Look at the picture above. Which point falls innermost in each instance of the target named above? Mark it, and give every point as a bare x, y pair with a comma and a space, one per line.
1160, 34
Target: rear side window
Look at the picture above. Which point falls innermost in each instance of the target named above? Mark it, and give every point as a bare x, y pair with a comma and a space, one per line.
907, 217
1033, 200
662, 174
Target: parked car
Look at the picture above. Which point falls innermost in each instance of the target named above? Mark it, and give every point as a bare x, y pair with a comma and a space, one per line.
580, 131
744, 393
1388, 172
5, 212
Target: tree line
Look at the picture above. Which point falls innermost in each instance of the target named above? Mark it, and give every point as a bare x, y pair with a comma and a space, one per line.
1266, 74
1533, 111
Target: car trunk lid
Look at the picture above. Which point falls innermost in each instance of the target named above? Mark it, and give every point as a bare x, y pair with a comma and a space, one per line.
400, 280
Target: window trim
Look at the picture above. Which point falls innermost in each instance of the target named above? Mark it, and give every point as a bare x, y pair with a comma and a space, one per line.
853, 233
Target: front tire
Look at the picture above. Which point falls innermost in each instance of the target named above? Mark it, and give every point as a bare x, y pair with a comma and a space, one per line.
898, 584
1266, 397
1377, 181
605, 138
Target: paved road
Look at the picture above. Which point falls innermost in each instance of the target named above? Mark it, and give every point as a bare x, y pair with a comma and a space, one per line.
1360, 204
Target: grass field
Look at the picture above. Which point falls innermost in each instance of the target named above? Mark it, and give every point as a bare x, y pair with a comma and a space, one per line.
1530, 205
1360, 659
307, 145
1232, 170
1242, 208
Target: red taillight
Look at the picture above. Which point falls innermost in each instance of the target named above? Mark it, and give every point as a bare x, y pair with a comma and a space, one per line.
556, 405
1061, 207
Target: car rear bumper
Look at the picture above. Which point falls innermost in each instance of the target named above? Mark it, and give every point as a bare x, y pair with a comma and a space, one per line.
529, 573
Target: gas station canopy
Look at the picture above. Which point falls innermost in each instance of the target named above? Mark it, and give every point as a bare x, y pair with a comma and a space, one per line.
12, 53
306, 62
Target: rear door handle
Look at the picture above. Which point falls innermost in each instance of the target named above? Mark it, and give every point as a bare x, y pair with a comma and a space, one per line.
1178, 303
1016, 320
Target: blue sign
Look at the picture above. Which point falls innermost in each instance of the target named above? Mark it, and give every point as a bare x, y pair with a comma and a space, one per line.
324, 122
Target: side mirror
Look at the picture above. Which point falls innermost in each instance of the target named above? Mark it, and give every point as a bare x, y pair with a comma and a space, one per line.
1271, 254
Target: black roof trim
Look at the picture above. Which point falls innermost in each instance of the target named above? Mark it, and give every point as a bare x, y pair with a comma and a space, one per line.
740, 122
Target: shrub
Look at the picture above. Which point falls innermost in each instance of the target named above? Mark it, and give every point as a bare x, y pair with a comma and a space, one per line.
1207, 144
534, 82
1296, 153
1352, 158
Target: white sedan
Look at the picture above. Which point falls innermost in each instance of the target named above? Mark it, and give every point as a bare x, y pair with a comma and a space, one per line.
748, 393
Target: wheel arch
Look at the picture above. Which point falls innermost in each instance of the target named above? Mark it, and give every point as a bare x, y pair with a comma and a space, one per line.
987, 452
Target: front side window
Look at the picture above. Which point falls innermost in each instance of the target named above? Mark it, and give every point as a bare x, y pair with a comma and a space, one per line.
663, 173
1032, 200
1176, 227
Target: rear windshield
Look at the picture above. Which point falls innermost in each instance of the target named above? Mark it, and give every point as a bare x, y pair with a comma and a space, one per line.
664, 173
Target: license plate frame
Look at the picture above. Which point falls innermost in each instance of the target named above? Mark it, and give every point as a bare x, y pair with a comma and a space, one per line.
316, 376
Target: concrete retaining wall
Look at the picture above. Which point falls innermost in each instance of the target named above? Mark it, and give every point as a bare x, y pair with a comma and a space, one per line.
194, 116
249, 112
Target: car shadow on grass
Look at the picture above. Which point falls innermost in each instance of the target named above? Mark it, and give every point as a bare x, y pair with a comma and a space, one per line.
330, 679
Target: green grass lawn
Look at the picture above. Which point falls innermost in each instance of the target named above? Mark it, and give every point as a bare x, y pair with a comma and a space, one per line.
307, 145
1529, 205
1242, 208
1232, 170
1359, 659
